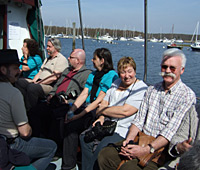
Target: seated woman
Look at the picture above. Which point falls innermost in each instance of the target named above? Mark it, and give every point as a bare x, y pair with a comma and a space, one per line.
32, 57
97, 84
121, 103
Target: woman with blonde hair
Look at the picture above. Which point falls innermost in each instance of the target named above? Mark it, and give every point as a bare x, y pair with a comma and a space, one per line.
120, 104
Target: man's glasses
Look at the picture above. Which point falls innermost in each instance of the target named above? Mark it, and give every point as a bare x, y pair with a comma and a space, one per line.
72, 57
172, 68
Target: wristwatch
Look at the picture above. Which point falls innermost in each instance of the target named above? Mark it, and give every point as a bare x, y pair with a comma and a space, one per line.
152, 150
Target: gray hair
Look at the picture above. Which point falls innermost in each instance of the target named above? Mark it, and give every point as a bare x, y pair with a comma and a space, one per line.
174, 52
56, 43
191, 159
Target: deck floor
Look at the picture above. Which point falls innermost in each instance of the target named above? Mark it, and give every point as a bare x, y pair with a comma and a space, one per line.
56, 165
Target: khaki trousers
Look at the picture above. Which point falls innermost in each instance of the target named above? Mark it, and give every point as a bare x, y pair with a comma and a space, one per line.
109, 159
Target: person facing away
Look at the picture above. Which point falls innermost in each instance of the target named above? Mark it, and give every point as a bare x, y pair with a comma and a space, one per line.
72, 79
47, 76
14, 124
97, 84
191, 158
160, 114
185, 137
32, 57
120, 104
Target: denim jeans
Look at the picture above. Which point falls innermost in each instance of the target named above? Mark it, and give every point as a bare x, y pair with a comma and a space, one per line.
40, 151
89, 157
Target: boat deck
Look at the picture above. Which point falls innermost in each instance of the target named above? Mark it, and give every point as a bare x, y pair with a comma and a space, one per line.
56, 165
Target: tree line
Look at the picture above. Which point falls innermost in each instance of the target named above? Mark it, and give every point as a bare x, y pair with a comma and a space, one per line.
93, 32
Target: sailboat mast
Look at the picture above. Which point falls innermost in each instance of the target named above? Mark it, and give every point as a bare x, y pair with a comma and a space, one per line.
197, 31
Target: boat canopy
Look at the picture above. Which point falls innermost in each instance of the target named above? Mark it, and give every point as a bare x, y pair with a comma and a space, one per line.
35, 24
29, 2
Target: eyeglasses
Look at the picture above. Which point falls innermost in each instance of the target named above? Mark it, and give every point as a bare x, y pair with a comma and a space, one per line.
172, 68
72, 57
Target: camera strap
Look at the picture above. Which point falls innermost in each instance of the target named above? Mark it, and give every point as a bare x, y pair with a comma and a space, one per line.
130, 90
128, 93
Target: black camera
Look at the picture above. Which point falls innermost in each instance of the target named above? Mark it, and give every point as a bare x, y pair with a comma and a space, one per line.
99, 132
60, 97
94, 133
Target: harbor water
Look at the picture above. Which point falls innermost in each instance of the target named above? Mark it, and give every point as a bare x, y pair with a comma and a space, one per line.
190, 77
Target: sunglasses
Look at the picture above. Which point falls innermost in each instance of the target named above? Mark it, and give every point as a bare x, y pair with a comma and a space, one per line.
172, 68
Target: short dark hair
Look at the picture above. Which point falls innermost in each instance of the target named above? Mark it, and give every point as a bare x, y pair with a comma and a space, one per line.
107, 56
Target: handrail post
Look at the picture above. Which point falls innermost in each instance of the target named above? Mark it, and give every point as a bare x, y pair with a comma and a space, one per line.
145, 43
79, 7
74, 35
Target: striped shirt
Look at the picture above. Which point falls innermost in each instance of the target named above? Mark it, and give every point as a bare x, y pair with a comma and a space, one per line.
161, 113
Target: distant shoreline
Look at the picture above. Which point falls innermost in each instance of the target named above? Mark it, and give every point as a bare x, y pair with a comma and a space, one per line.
92, 32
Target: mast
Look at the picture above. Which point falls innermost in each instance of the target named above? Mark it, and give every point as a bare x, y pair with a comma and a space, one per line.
195, 32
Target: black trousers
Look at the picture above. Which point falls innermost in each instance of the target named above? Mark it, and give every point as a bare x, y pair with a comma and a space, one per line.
71, 139
48, 122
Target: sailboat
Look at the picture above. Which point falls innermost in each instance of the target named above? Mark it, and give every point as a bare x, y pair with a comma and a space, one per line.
196, 45
173, 40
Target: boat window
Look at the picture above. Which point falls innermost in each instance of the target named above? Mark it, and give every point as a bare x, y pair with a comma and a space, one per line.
1, 25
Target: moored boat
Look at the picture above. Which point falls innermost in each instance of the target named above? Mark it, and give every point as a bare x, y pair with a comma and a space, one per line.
173, 45
196, 45
153, 39
106, 37
138, 39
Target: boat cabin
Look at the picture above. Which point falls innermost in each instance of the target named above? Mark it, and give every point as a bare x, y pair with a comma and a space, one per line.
20, 19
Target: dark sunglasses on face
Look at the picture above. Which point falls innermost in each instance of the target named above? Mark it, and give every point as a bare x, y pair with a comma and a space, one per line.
172, 68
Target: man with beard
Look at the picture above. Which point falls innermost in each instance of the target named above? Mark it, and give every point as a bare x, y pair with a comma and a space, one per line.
15, 130
46, 78
159, 116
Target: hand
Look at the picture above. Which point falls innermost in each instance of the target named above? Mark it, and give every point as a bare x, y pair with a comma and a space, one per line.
100, 109
65, 101
49, 98
25, 55
125, 142
67, 120
133, 151
101, 119
184, 146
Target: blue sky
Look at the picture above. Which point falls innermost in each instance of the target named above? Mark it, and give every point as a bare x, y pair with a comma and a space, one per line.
125, 14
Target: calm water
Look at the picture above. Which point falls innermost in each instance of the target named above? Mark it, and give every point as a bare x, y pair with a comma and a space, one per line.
191, 76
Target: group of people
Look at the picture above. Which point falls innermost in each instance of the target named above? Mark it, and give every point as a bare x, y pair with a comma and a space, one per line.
35, 109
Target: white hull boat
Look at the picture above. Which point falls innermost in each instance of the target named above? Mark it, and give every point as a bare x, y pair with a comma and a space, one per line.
106, 38
196, 45
153, 39
138, 39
